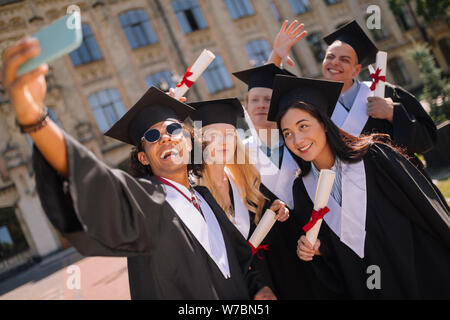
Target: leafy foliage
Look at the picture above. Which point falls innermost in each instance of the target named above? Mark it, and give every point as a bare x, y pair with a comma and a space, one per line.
436, 90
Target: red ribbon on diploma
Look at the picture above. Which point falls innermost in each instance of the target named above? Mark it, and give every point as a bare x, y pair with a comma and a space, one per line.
316, 215
185, 79
376, 78
256, 250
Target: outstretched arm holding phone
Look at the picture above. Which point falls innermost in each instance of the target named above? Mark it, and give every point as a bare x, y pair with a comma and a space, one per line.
27, 94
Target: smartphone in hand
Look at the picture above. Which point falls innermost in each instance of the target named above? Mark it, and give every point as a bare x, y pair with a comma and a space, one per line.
55, 40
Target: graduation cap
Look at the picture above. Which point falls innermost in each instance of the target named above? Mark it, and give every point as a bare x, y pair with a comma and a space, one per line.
217, 111
262, 76
288, 90
352, 34
154, 106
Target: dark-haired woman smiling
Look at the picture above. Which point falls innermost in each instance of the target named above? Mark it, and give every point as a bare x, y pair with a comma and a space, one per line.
387, 234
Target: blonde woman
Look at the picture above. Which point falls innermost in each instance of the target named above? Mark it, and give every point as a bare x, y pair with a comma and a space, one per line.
228, 174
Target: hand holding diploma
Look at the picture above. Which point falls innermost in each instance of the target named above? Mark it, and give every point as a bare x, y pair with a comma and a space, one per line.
305, 250
323, 190
379, 75
277, 211
378, 106
194, 72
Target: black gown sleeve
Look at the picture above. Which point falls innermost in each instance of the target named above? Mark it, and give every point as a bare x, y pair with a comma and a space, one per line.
253, 278
412, 126
416, 196
104, 211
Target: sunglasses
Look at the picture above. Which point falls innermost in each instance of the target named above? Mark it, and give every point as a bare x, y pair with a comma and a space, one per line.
153, 135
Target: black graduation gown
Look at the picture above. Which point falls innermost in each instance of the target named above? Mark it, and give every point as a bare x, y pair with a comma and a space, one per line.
412, 128
109, 213
263, 277
407, 236
282, 270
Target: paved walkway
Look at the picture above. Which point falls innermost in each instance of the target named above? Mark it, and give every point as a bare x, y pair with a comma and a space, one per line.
76, 278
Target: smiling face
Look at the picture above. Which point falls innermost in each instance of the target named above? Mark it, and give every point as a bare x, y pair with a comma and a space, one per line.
341, 64
257, 106
303, 134
220, 140
167, 155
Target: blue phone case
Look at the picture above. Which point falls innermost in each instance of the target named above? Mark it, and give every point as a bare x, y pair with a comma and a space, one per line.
55, 40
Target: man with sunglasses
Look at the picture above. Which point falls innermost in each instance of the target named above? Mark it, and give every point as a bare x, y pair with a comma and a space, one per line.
178, 241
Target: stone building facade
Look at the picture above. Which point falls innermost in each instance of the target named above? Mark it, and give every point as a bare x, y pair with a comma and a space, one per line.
131, 44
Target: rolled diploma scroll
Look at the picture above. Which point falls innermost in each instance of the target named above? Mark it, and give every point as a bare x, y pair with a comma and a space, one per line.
381, 63
323, 190
265, 224
200, 65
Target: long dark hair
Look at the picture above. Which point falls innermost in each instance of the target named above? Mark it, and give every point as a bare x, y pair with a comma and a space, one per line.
343, 145
137, 169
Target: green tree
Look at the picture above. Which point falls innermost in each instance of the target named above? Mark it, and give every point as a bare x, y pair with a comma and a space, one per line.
430, 10
436, 88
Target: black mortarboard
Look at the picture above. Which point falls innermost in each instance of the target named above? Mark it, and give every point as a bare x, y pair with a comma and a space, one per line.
217, 111
289, 90
154, 106
352, 34
260, 76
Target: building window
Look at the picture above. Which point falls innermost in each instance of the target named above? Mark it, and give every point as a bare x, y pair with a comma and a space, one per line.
239, 8
274, 9
189, 15
318, 47
444, 45
258, 51
162, 80
300, 6
217, 77
88, 51
107, 107
398, 71
137, 28
404, 19
328, 2
12, 239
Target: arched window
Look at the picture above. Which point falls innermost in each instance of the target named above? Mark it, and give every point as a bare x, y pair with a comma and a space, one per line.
107, 107
88, 51
216, 76
137, 28
258, 51
274, 9
239, 8
189, 15
300, 6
